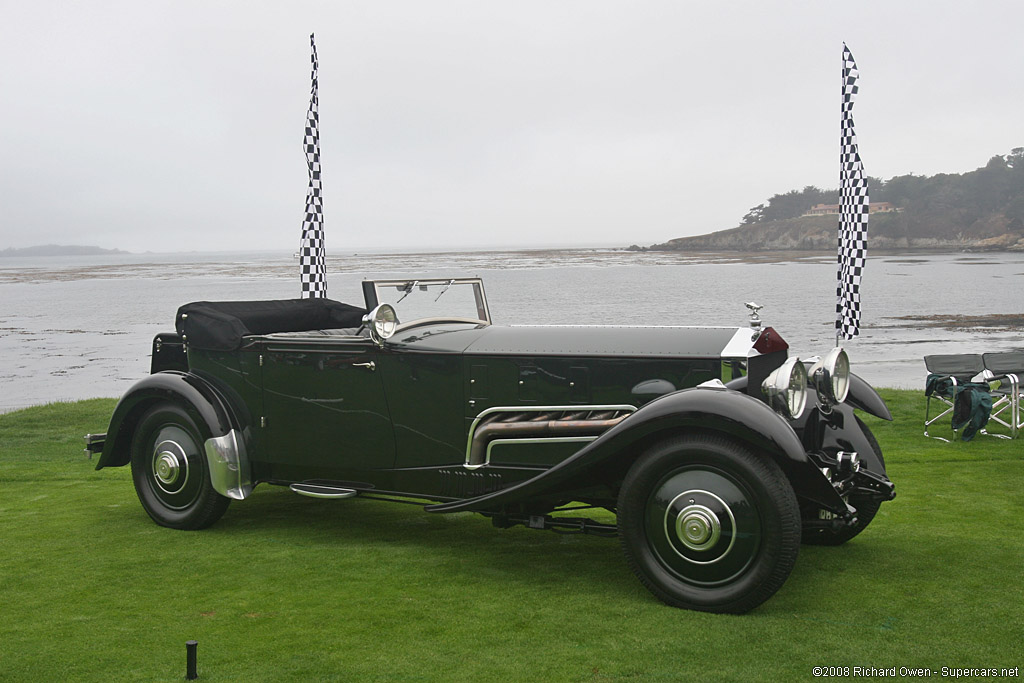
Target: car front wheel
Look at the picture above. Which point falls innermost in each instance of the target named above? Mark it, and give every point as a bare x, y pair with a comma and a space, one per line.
170, 471
707, 524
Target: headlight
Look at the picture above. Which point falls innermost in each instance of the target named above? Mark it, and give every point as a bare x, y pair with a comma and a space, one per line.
831, 377
786, 388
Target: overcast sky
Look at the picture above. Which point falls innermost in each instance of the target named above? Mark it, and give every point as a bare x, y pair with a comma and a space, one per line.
176, 126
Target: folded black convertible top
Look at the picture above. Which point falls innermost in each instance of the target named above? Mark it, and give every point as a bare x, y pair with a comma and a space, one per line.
220, 325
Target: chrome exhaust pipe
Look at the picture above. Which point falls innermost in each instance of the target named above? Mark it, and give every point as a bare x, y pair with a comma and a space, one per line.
515, 427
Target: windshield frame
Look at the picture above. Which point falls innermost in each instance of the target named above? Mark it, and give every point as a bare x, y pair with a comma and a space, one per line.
372, 295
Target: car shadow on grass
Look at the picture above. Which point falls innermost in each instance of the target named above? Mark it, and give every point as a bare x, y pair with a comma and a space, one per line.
466, 549
464, 546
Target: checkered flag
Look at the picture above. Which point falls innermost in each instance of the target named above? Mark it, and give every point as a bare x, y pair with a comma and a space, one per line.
313, 269
853, 211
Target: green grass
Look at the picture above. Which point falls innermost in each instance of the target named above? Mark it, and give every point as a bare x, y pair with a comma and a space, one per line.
291, 588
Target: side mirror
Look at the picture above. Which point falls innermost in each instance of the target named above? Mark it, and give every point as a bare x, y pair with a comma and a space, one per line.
382, 321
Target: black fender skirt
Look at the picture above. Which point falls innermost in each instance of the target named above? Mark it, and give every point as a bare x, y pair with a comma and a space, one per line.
195, 395
724, 411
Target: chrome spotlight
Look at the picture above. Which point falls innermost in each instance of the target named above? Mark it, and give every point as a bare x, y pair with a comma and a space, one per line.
382, 321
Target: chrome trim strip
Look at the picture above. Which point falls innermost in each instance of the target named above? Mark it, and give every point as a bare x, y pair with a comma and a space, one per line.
419, 322
229, 466
538, 409
531, 439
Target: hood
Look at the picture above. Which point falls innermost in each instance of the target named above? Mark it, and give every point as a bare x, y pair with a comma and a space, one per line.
614, 341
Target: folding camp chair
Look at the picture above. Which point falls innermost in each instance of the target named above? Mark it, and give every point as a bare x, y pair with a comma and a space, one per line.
948, 376
1008, 369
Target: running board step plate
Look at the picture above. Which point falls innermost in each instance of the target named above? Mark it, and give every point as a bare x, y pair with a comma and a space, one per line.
321, 491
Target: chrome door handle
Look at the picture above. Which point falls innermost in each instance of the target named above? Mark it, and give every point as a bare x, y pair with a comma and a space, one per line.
371, 365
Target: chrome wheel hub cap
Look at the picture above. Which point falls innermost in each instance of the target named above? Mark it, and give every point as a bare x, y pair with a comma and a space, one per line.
167, 470
698, 527
170, 466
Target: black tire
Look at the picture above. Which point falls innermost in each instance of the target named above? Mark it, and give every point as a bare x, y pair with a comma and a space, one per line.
707, 524
170, 471
867, 508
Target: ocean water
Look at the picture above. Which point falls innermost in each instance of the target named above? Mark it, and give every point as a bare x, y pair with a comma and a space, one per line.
81, 327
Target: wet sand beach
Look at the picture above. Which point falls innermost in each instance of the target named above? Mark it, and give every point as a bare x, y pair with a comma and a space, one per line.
81, 327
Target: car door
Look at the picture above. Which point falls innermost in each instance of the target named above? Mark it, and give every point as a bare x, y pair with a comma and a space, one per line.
326, 415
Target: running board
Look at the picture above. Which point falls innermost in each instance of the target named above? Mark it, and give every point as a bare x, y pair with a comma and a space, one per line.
321, 491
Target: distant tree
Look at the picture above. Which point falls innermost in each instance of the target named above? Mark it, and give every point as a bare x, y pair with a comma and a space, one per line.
754, 215
1015, 213
790, 205
899, 189
945, 205
1015, 159
876, 188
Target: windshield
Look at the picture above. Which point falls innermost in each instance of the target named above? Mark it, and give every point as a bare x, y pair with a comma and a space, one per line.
458, 299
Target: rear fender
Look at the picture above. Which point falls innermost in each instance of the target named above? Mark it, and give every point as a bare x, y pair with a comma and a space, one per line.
731, 413
225, 450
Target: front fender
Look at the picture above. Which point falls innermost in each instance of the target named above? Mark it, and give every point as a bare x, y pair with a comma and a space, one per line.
195, 395
861, 396
720, 410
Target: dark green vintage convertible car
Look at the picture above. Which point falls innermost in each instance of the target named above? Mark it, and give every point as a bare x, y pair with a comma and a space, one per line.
717, 453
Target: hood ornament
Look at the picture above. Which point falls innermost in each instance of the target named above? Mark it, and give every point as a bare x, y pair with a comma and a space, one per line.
755, 320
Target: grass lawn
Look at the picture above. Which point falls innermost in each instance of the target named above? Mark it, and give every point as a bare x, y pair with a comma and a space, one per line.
292, 588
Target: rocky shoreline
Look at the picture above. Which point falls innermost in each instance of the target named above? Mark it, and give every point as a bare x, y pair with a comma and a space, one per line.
819, 234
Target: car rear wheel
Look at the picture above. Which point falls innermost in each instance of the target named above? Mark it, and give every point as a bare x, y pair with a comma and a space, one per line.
867, 508
170, 472
706, 524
